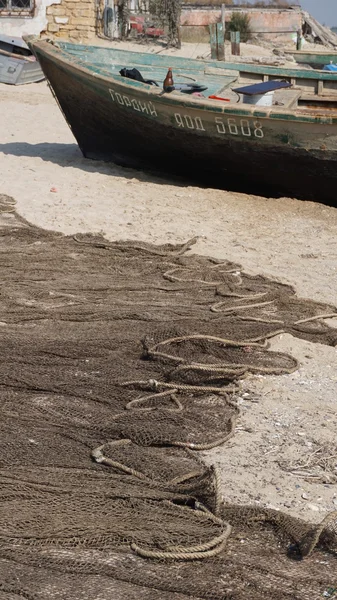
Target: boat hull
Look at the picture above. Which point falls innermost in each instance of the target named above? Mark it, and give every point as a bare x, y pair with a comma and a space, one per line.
18, 72
237, 149
17, 69
314, 59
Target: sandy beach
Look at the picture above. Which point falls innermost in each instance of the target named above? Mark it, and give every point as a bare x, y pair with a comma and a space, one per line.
286, 419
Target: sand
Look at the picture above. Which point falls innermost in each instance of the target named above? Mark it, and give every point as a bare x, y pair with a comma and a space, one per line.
284, 419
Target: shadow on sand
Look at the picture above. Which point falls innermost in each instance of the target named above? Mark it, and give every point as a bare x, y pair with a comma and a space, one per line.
69, 155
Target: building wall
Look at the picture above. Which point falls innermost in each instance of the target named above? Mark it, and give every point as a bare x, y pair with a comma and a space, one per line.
76, 20
72, 19
273, 21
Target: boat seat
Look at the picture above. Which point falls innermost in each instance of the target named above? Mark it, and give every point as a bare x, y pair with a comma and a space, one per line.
287, 98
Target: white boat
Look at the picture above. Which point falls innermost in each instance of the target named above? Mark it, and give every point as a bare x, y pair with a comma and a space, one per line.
18, 65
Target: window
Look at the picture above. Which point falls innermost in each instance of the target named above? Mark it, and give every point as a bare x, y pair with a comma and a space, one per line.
16, 8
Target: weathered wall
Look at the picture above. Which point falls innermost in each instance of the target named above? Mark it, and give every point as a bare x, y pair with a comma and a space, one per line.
76, 20
72, 19
19, 26
274, 21
195, 21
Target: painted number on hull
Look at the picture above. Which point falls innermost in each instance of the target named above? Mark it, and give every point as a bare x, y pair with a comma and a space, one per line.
229, 126
242, 127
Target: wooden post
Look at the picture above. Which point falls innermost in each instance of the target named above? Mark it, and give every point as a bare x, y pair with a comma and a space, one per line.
178, 27
212, 30
220, 41
235, 41
223, 21
217, 41
110, 19
299, 40
178, 35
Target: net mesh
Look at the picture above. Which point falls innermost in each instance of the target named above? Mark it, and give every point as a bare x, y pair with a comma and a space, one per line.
118, 363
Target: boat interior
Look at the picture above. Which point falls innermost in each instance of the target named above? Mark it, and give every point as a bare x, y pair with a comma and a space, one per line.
13, 47
308, 90
18, 65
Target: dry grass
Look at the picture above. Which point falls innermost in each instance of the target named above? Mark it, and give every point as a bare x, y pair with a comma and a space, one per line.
319, 467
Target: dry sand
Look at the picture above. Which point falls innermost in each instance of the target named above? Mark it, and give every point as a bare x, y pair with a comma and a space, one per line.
284, 419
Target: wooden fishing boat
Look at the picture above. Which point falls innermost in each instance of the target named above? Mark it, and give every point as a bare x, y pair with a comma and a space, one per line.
289, 146
315, 58
17, 63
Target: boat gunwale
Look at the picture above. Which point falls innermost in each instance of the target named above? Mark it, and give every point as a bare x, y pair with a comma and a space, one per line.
59, 55
310, 52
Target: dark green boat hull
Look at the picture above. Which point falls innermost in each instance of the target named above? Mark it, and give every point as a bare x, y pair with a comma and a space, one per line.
235, 147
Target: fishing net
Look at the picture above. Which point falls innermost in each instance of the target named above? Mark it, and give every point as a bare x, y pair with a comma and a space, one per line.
119, 363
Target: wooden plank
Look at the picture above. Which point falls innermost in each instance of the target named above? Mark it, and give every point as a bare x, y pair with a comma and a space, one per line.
221, 72
325, 34
28, 57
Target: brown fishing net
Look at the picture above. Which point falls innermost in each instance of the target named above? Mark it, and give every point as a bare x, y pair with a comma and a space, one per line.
118, 363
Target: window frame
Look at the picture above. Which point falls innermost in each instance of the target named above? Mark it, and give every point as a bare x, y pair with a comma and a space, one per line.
17, 11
